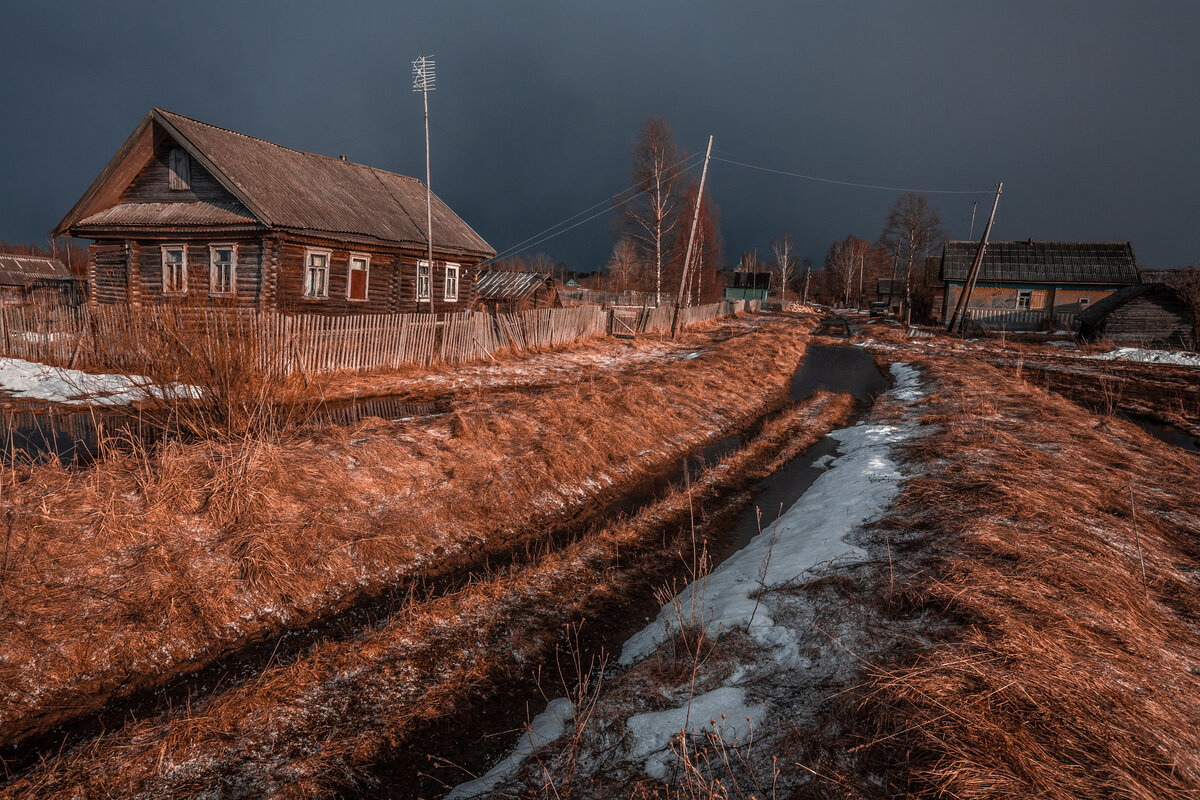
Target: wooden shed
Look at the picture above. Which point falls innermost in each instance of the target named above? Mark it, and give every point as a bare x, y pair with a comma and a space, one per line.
190, 210
36, 279
1148, 314
501, 291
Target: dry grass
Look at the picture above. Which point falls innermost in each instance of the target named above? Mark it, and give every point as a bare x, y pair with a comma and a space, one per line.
306, 728
1045, 611
147, 565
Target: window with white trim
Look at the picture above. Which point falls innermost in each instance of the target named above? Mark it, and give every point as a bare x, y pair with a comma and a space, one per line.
222, 269
358, 274
1024, 299
423, 291
1083, 301
451, 293
174, 269
316, 273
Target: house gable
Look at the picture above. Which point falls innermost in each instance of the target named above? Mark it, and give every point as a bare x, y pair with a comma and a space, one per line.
153, 184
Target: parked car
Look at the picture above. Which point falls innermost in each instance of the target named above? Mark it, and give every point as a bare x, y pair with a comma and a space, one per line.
878, 309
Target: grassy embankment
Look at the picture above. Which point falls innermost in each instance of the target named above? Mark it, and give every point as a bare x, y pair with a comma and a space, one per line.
310, 727
152, 563
1039, 609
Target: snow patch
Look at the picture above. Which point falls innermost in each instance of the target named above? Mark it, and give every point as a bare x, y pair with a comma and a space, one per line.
60, 385
810, 535
1149, 356
543, 729
722, 711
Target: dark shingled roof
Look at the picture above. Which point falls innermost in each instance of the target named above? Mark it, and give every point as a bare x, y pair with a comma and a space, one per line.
285, 188
1043, 262
22, 270
509, 286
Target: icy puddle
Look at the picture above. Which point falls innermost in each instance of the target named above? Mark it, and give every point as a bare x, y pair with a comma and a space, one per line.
855, 484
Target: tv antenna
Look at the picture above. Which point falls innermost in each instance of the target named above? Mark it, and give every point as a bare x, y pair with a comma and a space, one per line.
424, 81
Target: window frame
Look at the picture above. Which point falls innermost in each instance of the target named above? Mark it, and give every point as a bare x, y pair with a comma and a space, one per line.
309, 252
183, 269
212, 273
1027, 296
428, 278
451, 298
366, 259
1083, 301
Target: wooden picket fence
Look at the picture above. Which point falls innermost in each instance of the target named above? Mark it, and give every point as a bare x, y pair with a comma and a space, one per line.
308, 344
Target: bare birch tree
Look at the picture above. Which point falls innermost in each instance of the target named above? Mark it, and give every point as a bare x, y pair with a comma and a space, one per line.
784, 250
652, 218
846, 261
624, 265
913, 229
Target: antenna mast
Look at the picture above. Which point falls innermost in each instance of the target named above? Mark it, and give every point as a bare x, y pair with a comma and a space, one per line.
424, 82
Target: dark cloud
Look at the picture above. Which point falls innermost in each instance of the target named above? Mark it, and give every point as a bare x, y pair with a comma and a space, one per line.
1087, 110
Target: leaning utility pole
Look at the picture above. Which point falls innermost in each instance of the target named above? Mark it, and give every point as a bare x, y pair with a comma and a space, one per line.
964, 299
687, 258
423, 82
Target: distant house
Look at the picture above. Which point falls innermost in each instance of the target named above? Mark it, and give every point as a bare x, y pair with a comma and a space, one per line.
36, 279
1027, 285
1148, 314
748, 286
500, 291
189, 210
890, 291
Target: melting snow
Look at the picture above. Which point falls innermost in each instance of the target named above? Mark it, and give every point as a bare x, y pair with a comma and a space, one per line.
545, 728
723, 711
60, 385
1151, 356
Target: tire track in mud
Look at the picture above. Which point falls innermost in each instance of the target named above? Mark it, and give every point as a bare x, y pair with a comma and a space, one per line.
540, 537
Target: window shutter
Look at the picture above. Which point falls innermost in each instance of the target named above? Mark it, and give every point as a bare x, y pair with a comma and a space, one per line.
180, 168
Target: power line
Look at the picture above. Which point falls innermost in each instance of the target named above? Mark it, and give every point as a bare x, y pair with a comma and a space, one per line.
608, 203
849, 183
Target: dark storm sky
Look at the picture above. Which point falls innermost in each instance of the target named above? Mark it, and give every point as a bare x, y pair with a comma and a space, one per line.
1088, 111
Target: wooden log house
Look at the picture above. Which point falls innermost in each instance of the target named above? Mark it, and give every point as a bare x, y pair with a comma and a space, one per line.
1147, 315
188, 210
1024, 285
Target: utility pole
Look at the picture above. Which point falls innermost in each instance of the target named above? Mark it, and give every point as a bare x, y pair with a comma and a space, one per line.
423, 82
964, 300
687, 258
974, 208
862, 260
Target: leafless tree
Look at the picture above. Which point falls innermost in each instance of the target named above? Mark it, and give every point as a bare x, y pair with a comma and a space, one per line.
624, 265
784, 250
913, 229
846, 262
652, 218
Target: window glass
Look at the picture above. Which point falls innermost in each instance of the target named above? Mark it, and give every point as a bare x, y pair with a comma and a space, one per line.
316, 275
174, 267
452, 281
423, 280
221, 269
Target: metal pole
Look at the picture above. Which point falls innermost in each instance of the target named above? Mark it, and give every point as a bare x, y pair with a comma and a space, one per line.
428, 195
687, 258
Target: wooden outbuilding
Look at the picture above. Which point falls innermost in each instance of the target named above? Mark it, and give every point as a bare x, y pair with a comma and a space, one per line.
1029, 285
190, 210
39, 280
1149, 315
502, 291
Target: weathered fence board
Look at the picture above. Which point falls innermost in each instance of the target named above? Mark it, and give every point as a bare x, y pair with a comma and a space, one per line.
307, 343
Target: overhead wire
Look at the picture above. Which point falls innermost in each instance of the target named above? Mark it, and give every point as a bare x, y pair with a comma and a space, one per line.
608, 204
846, 183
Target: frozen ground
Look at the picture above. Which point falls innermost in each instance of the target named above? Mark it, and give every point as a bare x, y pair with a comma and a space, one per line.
751, 691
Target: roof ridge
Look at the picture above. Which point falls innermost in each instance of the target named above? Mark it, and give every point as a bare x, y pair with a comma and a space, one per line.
338, 160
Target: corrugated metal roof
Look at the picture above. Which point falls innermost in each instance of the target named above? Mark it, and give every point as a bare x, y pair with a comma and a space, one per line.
504, 285
292, 189
171, 214
20, 270
1043, 262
